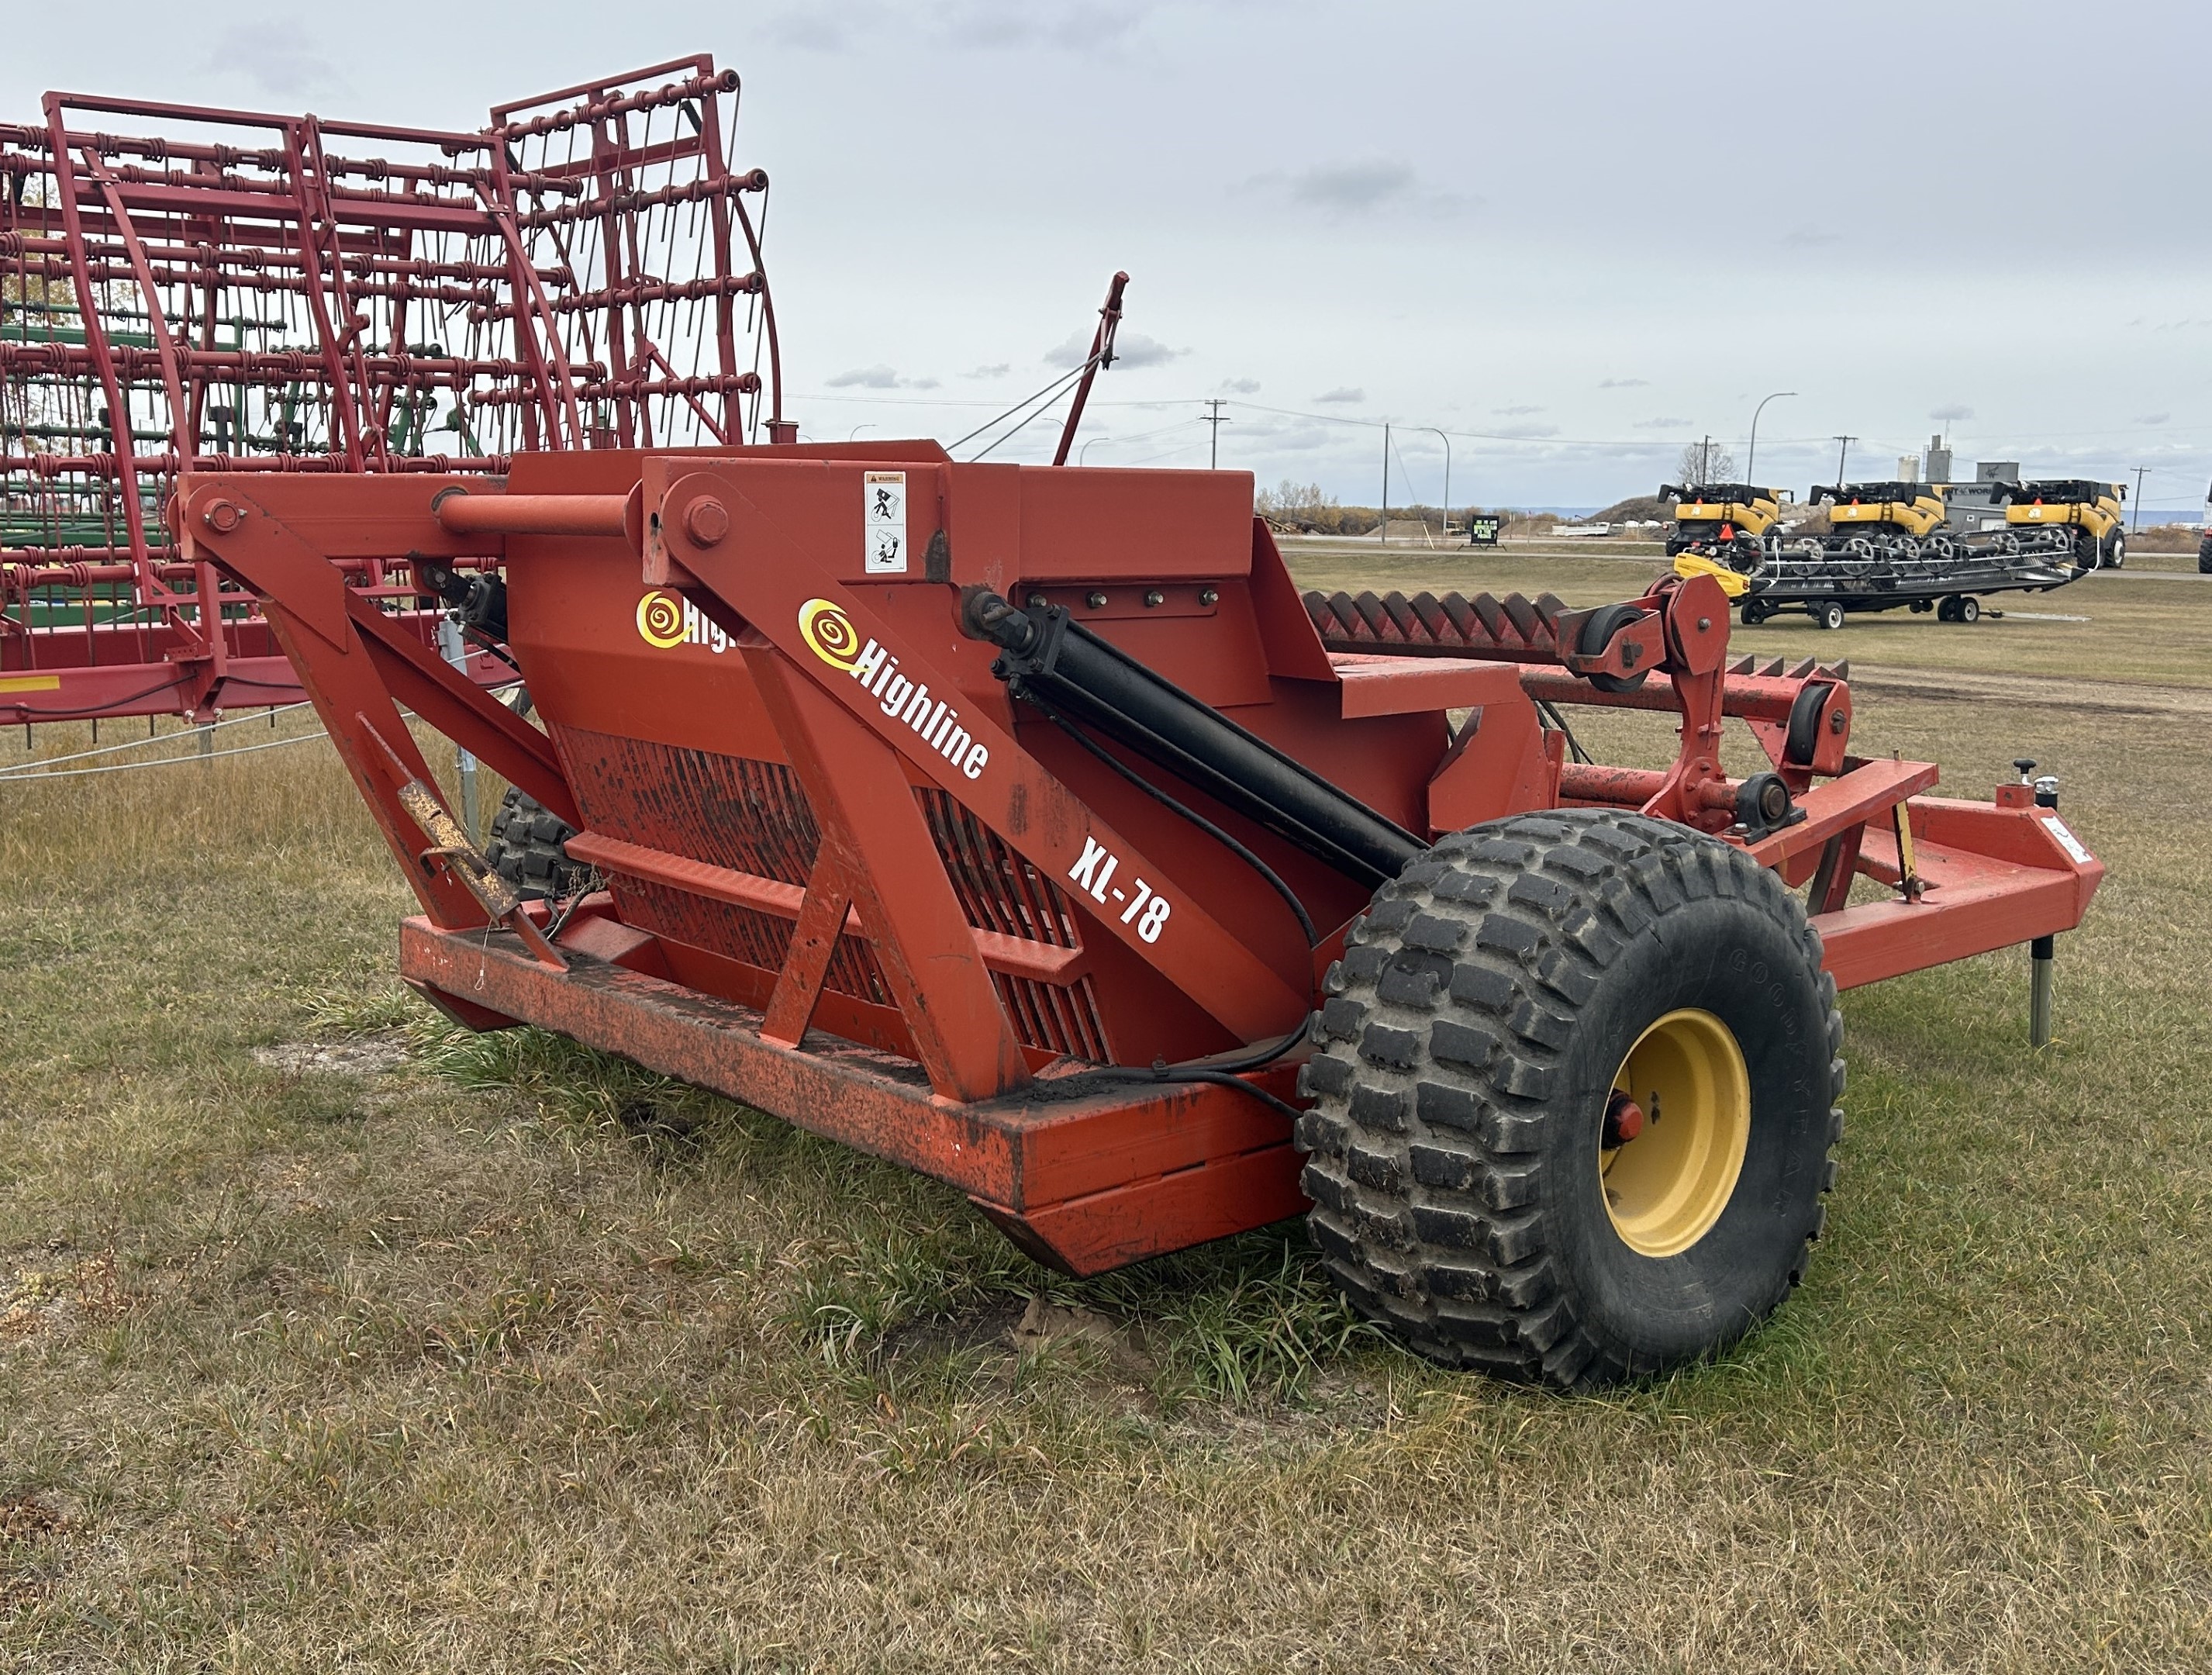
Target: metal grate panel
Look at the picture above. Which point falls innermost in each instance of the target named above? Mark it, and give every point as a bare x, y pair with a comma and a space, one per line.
753, 817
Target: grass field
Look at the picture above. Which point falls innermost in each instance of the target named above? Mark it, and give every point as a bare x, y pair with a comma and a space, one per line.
2107, 627
331, 1340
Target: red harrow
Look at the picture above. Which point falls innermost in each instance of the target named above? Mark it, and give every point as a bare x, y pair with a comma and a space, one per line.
1024, 825
186, 290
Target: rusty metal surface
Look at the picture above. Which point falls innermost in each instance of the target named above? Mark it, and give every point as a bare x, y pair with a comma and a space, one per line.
1105, 1174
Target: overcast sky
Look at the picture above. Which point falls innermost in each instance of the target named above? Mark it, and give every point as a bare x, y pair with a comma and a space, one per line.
1574, 236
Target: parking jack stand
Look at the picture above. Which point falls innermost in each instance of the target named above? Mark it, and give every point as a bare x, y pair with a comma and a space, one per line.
2041, 958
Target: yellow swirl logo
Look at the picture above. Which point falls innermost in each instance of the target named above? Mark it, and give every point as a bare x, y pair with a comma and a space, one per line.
660, 619
828, 632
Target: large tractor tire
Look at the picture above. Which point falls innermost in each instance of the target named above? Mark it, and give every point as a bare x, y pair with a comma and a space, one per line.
526, 849
2112, 550
1574, 1090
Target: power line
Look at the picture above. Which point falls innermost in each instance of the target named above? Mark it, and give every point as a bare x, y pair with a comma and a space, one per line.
1631, 443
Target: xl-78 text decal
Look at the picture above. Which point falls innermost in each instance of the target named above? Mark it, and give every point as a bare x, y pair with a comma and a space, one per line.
1093, 874
830, 635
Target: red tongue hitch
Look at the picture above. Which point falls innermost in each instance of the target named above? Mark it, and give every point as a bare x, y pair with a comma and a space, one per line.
1624, 1120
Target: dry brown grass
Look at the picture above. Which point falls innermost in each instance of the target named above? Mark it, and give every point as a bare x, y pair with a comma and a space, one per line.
2164, 537
507, 1358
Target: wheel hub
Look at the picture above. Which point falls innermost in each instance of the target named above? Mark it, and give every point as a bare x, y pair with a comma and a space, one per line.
1668, 1174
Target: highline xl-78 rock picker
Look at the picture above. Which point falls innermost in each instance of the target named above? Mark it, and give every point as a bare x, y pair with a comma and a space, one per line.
1026, 825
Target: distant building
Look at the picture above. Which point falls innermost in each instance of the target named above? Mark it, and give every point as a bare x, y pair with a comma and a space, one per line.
1968, 506
1939, 462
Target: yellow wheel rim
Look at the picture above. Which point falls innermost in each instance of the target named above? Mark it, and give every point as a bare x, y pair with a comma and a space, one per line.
1665, 1188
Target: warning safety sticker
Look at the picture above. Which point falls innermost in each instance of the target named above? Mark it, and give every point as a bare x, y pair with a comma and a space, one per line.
882, 522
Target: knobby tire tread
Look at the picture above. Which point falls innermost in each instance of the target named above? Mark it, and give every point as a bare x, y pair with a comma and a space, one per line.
1430, 1097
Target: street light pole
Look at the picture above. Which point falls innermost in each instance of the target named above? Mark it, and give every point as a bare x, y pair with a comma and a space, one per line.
1446, 440
1382, 529
1753, 457
857, 429
1083, 453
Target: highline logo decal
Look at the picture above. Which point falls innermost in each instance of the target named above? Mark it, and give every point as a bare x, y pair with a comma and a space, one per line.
831, 636
667, 619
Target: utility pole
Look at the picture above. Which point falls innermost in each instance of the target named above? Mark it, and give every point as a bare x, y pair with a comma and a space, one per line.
1214, 419
1843, 454
2141, 472
1382, 529
1704, 462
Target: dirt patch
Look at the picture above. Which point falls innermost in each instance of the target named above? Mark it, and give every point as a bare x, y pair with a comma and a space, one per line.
35, 1300
24, 1522
920, 1341
1043, 1325
2115, 697
24, 1519
356, 1056
1025, 1328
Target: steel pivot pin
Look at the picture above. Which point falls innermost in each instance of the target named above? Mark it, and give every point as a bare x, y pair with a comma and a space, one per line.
706, 520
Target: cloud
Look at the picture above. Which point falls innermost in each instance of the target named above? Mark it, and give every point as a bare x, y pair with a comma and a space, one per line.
1526, 433
1241, 386
1073, 24
854, 25
1132, 350
2154, 418
1517, 412
1661, 424
1344, 393
1624, 384
1301, 439
877, 377
1950, 413
996, 369
1357, 186
819, 30
1364, 185
1804, 237
277, 58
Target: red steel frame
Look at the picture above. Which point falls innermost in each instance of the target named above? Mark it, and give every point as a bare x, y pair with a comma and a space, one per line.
583, 271
937, 986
